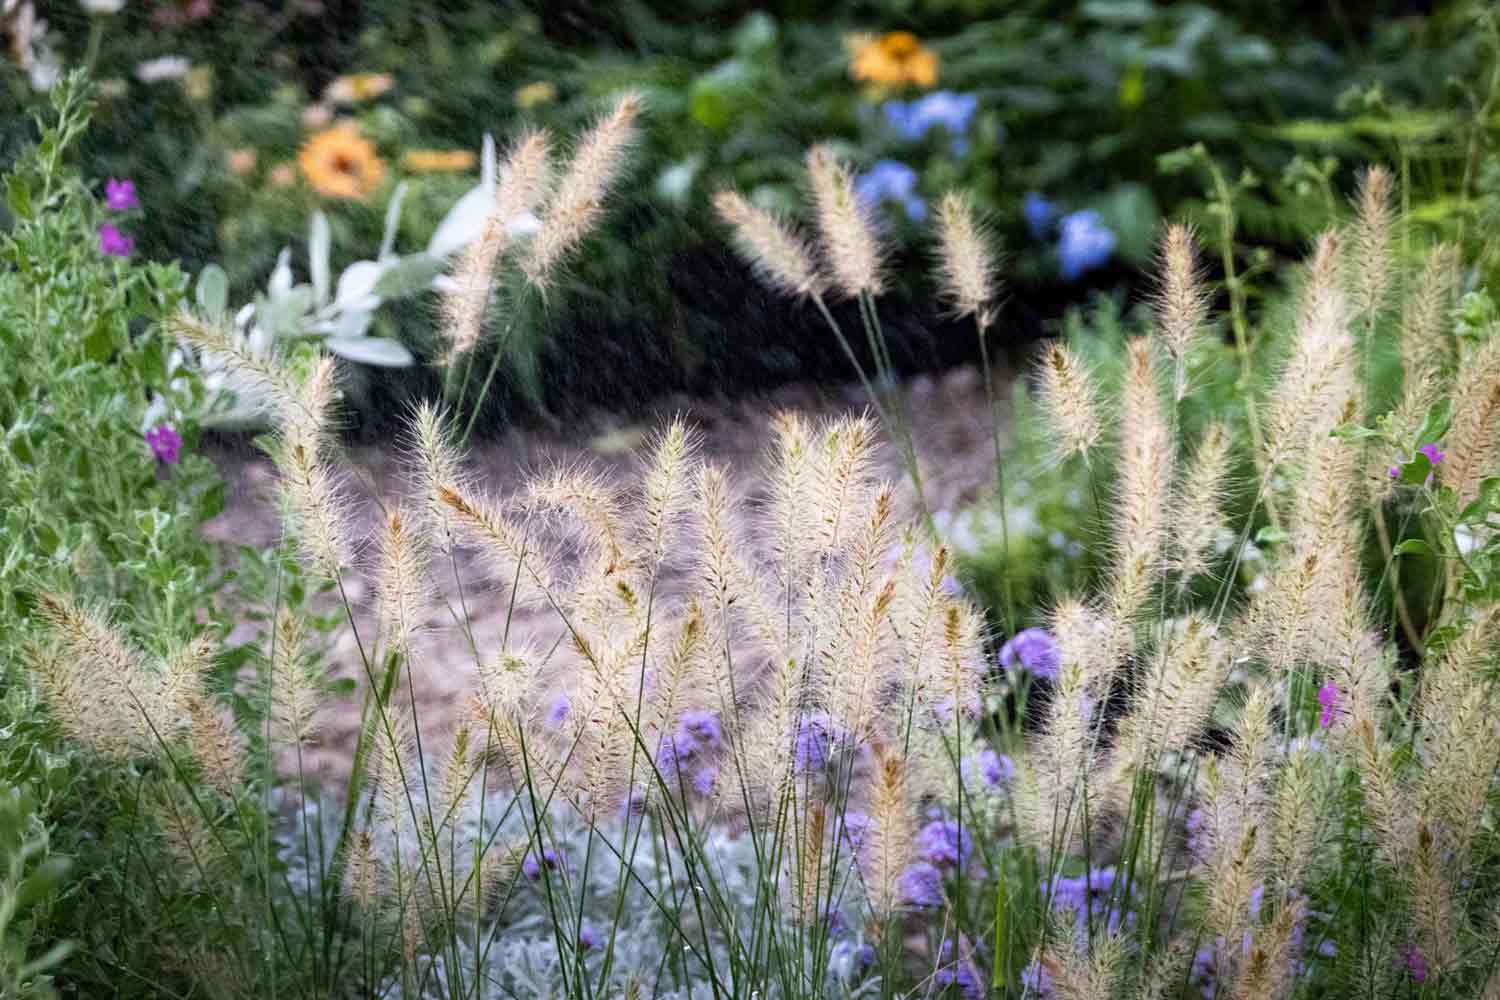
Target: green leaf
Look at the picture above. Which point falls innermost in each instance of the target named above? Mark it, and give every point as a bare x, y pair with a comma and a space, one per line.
18, 196
213, 293
377, 351
1416, 471
1486, 503
408, 276
1412, 547
1270, 536
1435, 424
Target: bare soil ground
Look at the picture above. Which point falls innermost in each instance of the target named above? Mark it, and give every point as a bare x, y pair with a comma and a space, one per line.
950, 430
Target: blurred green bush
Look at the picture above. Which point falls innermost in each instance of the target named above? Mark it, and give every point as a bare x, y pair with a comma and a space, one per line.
207, 106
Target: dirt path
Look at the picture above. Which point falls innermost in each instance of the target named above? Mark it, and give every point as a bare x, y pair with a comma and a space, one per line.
950, 429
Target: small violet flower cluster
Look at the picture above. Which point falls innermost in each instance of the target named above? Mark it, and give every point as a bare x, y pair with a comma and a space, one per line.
1084, 242
1031, 651
681, 755
165, 444
119, 196
1205, 972
1088, 897
1434, 459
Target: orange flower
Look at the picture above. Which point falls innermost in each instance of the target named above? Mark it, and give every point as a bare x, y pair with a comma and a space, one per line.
892, 60
439, 161
340, 163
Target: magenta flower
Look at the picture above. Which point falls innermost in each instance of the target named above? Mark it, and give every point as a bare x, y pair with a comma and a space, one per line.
119, 196
1416, 964
1433, 455
113, 243
1329, 697
165, 443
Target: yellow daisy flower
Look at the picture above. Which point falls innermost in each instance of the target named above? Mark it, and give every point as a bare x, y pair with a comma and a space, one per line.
340, 163
358, 87
892, 60
439, 161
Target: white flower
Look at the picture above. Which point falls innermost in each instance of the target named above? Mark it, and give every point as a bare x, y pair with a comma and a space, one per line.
163, 68
32, 53
102, 6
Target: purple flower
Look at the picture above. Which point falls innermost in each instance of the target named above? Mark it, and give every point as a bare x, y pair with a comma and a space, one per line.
1329, 697
922, 885
1035, 650
1039, 213
672, 752
532, 866
113, 243
1036, 980
588, 938
994, 769
813, 742
943, 842
891, 181
702, 727
853, 827
1416, 964
1197, 837
165, 443
705, 779
119, 196
1084, 243
1434, 456
557, 712
958, 969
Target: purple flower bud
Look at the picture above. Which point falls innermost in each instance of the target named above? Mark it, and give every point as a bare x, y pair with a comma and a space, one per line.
1329, 697
531, 867
557, 712
113, 243
1434, 456
588, 938
1416, 964
119, 195
165, 443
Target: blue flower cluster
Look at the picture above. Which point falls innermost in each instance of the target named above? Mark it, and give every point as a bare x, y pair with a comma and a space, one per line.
1084, 242
942, 109
891, 181
680, 755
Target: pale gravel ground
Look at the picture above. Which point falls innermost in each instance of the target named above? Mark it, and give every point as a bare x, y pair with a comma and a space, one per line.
950, 428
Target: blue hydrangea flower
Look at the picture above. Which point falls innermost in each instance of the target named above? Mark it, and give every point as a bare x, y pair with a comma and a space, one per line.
1084, 243
890, 181
1034, 651
1039, 212
943, 843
